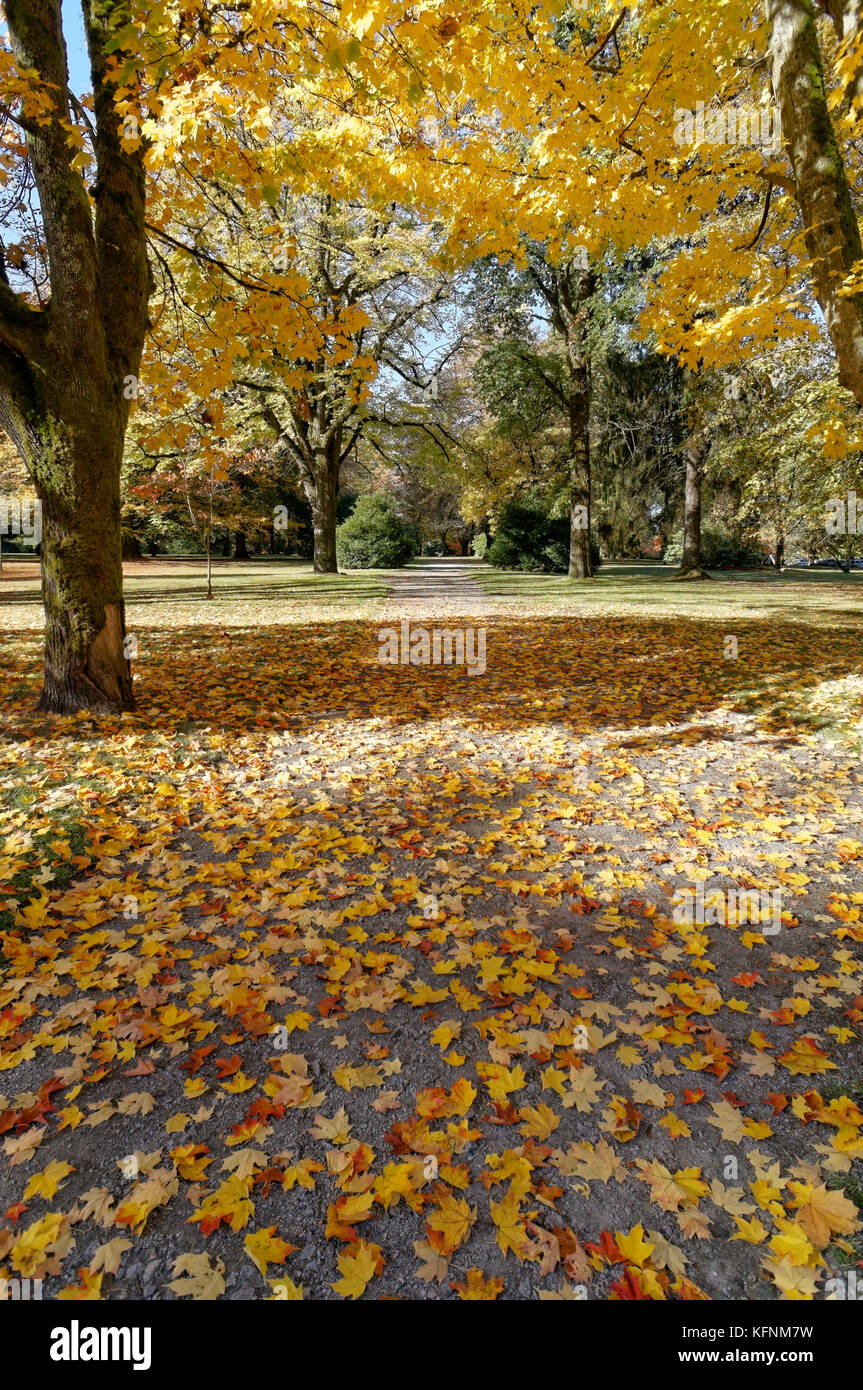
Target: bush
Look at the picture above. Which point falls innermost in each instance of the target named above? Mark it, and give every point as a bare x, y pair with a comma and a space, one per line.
527, 539
479, 545
719, 550
373, 537
434, 548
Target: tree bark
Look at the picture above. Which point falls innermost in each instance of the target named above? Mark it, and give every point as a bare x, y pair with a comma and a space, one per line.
322, 491
240, 549
579, 514
823, 195
64, 370
574, 289
690, 565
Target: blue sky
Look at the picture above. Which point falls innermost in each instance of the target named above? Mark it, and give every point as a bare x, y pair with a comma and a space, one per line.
76, 49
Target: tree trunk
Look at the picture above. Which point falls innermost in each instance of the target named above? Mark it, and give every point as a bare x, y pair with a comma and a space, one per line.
574, 294
65, 370
823, 195
321, 486
579, 511
240, 550
86, 666
69, 430
690, 565
780, 553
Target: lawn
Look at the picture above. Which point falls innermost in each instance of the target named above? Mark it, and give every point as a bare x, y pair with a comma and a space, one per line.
329, 979
650, 587
173, 593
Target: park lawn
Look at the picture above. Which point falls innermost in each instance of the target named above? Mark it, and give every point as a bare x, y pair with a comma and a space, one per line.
162, 592
302, 921
814, 595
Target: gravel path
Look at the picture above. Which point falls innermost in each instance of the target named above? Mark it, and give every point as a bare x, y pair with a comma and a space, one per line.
438, 588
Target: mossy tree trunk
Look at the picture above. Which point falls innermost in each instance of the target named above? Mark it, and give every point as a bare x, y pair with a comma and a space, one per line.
823, 195
66, 372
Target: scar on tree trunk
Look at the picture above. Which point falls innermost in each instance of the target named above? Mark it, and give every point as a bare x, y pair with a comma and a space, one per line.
95, 681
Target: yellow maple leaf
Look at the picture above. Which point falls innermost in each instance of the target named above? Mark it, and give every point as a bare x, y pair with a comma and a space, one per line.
477, 1288
633, 1247
823, 1213
265, 1247
511, 1231
46, 1183
445, 1033
88, 1290
449, 1226
540, 1121
751, 1231
675, 1126
358, 1265
286, 1291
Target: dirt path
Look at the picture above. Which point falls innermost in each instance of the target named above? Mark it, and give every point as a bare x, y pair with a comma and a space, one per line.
435, 588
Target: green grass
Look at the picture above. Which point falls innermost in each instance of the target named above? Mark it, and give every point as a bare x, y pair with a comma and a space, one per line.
246, 591
649, 587
43, 866
835, 1090
851, 1185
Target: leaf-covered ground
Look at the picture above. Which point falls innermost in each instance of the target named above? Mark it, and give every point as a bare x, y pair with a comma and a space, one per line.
325, 978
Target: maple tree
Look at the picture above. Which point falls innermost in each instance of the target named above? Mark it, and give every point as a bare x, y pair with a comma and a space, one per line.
821, 186
65, 368
591, 152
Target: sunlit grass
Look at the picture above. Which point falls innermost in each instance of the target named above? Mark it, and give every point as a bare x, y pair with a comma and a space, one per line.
168, 593
622, 587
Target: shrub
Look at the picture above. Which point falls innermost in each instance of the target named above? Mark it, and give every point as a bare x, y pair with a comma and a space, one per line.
373, 537
719, 550
479, 545
434, 548
527, 539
